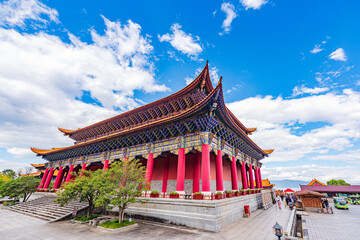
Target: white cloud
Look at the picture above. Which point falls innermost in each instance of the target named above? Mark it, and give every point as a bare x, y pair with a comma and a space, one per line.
230, 12
282, 123
309, 172
183, 42
214, 74
5, 164
338, 55
351, 156
254, 4
304, 90
316, 49
17, 12
41, 78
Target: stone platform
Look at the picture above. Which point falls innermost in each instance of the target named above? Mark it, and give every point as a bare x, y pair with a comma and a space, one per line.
210, 215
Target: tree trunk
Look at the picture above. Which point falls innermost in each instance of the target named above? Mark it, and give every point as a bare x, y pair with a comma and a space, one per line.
90, 210
122, 214
24, 199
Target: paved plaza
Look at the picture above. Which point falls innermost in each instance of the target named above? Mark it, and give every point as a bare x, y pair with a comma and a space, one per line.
343, 224
15, 226
340, 225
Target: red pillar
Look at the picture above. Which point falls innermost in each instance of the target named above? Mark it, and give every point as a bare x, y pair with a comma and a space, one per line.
166, 174
63, 177
83, 168
261, 185
58, 178
251, 177
205, 168
243, 175
219, 172
196, 173
48, 179
68, 177
149, 168
180, 177
256, 178
234, 174
43, 180
106, 165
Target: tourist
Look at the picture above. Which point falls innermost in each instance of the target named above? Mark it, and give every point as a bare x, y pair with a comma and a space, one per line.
326, 203
287, 200
323, 203
278, 199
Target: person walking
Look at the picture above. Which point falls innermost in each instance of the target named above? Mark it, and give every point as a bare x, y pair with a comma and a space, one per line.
278, 199
287, 200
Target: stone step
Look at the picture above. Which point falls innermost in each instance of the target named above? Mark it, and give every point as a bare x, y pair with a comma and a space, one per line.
45, 208
50, 212
67, 207
51, 207
47, 218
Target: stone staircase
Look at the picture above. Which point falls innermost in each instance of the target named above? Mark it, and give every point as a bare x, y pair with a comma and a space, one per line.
45, 208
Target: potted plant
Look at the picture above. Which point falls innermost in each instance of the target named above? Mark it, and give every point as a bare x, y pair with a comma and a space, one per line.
237, 193
174, 195
243, 192
198, 196
218, 195
229, 194
154, 193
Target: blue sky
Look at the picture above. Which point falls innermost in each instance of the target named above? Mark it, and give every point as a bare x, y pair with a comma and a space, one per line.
290, 68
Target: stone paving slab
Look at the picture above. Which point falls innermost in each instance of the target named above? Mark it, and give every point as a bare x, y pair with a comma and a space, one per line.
343, 224
14, 226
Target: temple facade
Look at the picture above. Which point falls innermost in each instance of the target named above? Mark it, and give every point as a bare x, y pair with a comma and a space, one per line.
189, 142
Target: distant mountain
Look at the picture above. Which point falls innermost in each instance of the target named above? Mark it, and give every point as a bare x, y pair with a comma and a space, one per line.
287, 183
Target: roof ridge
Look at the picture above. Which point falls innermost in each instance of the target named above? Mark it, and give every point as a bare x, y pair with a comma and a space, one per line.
183, 91
180, 114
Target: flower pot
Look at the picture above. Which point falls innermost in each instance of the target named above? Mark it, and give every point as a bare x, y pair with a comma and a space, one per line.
154, 194
229, 195
218, 196
198, 197
174, 196
237, 194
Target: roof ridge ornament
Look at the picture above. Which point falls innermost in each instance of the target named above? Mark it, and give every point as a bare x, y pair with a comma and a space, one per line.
214, 104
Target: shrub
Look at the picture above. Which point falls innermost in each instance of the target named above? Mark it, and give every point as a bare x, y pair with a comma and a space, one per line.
84, 218
115, 224
229, 192
154, 192
218, 193
243, 190
237, 191
198, 193
173, 193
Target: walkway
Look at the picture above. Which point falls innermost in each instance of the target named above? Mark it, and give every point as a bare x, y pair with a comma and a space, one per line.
15, 226
343, 224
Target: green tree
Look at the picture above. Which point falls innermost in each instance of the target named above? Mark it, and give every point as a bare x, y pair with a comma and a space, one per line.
9, 172
4, 179
125, 181
87, 188
337, 182
24, 186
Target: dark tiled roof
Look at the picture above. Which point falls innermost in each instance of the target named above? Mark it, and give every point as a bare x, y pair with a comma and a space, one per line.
335, 189
308, 192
